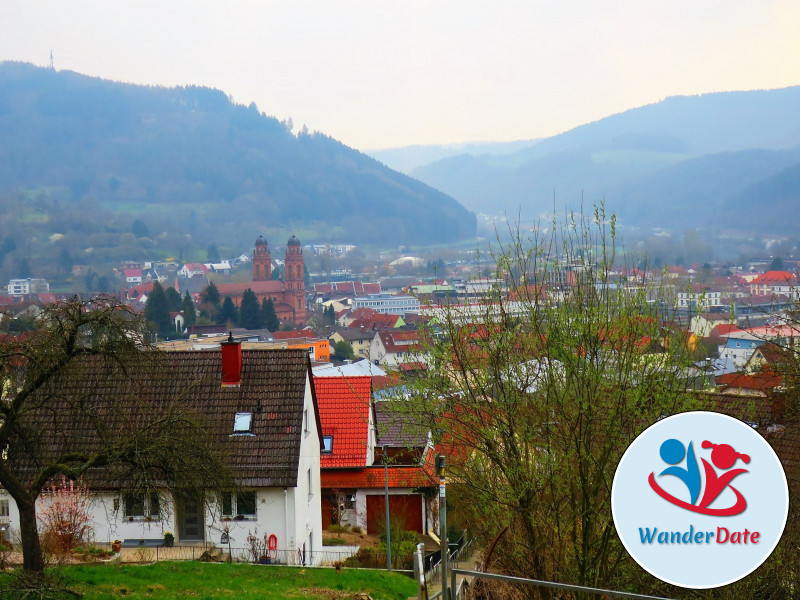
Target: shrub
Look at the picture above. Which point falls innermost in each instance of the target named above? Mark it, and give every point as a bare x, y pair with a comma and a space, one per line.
337, 541
356, 529
65, 517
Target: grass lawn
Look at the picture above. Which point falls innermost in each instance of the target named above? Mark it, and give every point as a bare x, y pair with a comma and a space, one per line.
211, 581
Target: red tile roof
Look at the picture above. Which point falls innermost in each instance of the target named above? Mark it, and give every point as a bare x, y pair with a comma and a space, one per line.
400, 341
775, 278
724, 329
372, 477
259, 287
344, 408
376, 321
764, 381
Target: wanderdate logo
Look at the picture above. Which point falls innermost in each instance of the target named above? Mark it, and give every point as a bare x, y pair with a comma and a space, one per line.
723, 457
699, 500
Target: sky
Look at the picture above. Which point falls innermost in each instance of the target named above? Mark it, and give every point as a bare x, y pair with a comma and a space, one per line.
380, 74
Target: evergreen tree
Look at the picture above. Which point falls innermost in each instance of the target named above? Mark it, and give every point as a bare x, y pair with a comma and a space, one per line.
269, 316
156, 311
174, 300
343, 351
250, 316
210, 295
189, 313
228, 315
212, 253
24, 269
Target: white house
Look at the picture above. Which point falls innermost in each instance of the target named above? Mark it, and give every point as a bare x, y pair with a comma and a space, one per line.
23, 287
191, 269
394, 348
262, 411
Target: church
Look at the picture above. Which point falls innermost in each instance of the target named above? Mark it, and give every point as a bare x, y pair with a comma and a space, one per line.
289, 296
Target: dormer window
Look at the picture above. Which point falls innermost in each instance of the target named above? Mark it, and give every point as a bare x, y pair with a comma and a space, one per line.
243, 423
327, 444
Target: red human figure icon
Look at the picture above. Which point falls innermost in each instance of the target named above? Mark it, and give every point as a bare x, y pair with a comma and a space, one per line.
724, 457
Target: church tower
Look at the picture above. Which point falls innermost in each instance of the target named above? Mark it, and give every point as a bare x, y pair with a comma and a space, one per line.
295, 279
262, 262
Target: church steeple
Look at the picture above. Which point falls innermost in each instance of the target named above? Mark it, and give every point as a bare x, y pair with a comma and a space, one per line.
295, 277
262, 262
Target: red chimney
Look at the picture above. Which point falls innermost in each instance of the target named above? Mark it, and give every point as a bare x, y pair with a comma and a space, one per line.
231, 362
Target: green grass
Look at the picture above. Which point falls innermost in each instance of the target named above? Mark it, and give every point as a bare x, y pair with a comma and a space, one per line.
209, 581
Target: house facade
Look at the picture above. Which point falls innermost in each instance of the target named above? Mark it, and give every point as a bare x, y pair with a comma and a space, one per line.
395, 348
260, 409
353, 477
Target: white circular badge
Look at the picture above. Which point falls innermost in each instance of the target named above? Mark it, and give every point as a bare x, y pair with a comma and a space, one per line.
699, 500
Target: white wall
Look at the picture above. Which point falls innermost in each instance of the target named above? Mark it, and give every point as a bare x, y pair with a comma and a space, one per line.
307, 526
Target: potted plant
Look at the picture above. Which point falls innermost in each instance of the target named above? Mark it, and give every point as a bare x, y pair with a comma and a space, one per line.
169, 539
116, 546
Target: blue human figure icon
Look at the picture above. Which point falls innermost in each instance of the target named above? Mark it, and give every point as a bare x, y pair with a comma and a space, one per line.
672, 452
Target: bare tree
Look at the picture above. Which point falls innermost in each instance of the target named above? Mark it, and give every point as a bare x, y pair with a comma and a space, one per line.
57, 419
535, 393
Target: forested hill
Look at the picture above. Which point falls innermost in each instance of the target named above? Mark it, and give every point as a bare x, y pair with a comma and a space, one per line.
89, 157
702, 160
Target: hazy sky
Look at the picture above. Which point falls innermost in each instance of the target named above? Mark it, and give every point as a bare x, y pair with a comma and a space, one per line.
376, 74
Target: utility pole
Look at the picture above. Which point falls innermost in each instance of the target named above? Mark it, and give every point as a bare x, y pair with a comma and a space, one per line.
388, 522
445, 547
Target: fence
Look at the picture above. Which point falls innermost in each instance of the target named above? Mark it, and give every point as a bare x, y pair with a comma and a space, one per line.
297, 557
459, 590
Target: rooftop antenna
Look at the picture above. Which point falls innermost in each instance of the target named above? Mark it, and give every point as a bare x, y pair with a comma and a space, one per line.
52, 67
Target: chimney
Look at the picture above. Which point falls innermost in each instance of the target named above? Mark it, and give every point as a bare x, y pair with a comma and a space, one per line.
231, 362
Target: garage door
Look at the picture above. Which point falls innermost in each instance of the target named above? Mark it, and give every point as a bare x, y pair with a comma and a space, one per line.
408, 508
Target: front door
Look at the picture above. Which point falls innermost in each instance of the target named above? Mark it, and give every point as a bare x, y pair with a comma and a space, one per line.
190, 519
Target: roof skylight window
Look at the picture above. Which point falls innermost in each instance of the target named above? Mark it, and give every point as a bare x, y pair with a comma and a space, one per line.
242, 422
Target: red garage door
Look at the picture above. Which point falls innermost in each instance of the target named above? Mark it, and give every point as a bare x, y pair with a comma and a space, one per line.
408, 508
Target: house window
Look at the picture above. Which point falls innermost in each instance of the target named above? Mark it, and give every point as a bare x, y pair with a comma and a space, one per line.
4, 511
310, 485
242, 422
239, 504
305, 421
141, 506
327, 444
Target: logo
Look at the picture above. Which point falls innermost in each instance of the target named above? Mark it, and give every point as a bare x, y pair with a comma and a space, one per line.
699, 500
723, 457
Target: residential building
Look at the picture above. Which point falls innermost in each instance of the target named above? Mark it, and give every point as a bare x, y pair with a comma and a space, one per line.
776, 282
352, 480
699, 301
359, 340
191, 269
259, 407
25, 287
391, 349
132, 277
387, 304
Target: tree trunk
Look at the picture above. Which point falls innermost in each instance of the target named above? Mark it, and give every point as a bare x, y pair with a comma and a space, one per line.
32, 559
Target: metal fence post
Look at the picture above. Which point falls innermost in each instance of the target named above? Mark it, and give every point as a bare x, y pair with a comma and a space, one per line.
440, 466
419, 572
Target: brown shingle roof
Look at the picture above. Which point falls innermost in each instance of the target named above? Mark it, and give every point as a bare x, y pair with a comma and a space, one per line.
275, 380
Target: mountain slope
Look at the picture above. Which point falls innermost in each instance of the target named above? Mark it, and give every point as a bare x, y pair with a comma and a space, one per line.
632, 159
189, 161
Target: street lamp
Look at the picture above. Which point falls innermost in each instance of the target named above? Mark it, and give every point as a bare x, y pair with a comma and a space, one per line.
440, 466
